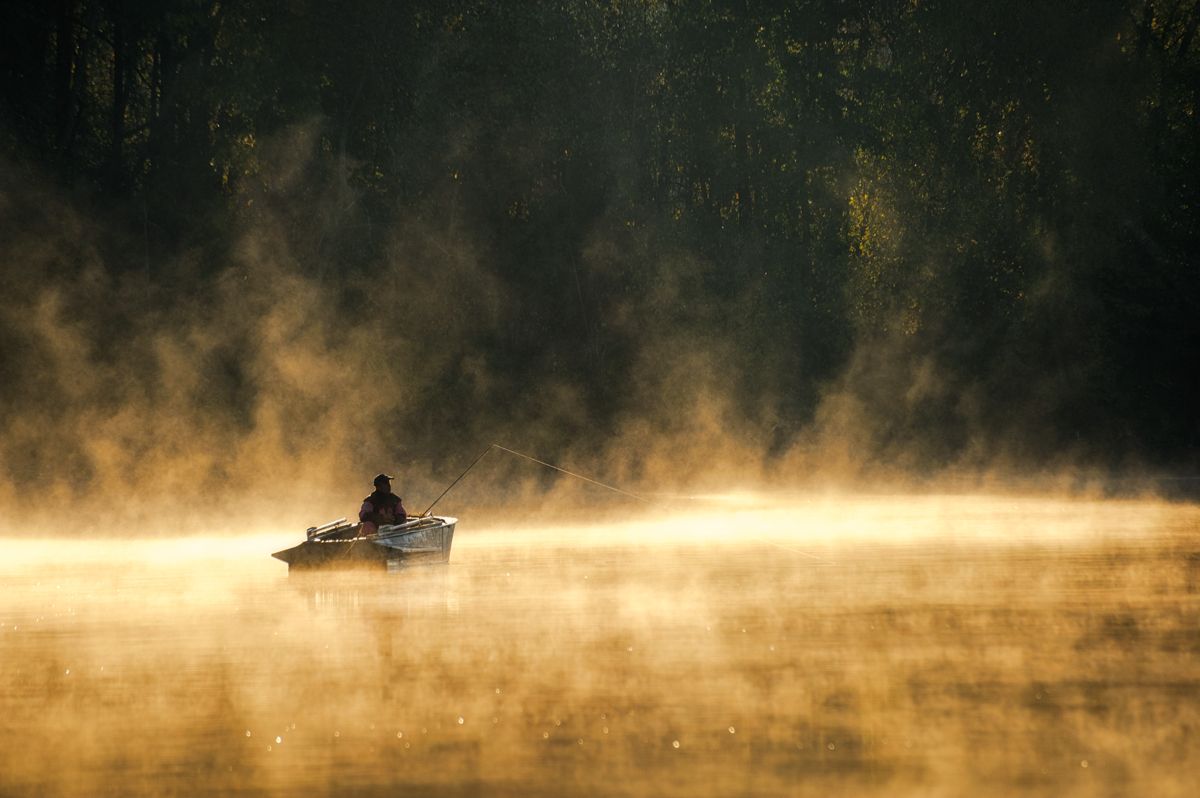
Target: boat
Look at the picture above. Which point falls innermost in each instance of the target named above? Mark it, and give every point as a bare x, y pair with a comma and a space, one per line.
339, 544
424, 539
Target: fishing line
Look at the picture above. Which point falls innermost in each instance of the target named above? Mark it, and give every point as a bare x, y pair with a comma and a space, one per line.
602, 485
539, 462
573, 474
821, 560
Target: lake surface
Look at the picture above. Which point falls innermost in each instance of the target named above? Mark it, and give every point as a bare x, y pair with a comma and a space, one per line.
934, 645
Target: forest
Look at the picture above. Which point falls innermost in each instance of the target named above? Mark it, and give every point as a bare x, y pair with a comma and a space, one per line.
900, 234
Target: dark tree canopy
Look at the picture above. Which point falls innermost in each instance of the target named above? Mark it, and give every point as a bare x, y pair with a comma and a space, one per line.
978, 222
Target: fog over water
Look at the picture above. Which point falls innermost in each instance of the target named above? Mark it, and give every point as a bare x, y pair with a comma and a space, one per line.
738, 645
750, 262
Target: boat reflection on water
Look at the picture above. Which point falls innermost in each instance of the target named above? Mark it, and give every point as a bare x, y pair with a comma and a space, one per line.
424, 589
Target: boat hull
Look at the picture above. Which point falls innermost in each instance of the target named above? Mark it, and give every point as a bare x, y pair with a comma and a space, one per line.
418, 542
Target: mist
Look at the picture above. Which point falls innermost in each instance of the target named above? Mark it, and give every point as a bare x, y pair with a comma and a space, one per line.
770, 645
869, 328
557, 231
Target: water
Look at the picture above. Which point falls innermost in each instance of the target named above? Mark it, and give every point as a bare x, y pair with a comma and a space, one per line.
787, 646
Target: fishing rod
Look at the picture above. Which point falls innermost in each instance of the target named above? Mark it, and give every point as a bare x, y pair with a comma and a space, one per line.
539, 462
455, 482
532, 459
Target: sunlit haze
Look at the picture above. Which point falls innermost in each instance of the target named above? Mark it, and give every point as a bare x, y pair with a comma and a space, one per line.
755, 644
599, 398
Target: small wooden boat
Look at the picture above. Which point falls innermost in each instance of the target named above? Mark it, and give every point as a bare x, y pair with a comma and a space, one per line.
340, 544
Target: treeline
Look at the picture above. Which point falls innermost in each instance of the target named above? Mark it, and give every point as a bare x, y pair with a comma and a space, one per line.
977, 221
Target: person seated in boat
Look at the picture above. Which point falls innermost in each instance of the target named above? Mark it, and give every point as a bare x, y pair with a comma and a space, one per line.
382, 507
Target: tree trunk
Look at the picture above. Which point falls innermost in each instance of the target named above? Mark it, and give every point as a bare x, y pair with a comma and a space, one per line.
64, 46
119, 97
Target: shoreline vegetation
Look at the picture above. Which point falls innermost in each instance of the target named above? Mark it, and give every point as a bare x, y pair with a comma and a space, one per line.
651, 240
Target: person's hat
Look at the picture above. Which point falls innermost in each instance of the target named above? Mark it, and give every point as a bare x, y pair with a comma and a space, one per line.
383, 478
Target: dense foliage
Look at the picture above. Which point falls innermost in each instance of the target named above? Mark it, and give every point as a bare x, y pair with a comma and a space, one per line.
976, 223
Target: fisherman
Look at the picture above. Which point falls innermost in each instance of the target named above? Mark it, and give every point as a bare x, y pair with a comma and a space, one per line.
381, 507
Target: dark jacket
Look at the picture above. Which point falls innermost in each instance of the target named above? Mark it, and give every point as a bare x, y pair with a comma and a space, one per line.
382, 508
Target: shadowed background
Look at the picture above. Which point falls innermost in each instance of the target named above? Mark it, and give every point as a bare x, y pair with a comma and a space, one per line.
251, 254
